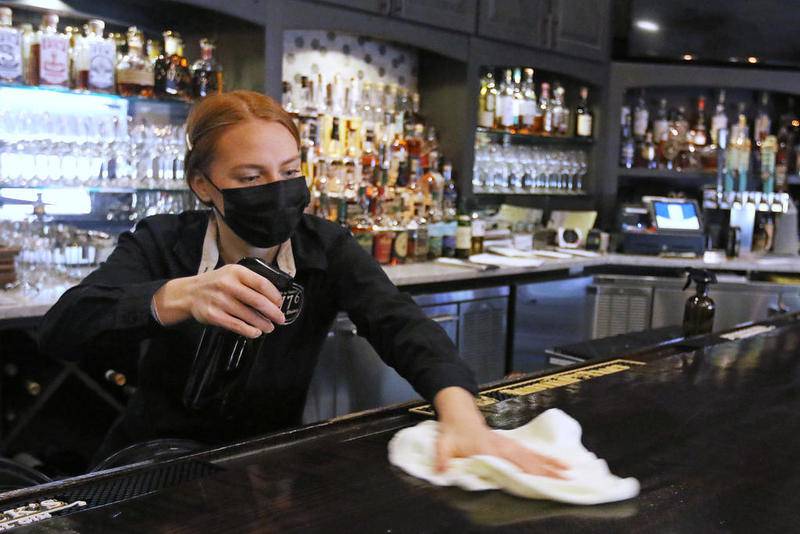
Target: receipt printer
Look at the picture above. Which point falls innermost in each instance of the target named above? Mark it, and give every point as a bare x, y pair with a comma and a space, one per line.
661, 225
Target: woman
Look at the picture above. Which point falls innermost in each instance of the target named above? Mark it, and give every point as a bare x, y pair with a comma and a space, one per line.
175, 273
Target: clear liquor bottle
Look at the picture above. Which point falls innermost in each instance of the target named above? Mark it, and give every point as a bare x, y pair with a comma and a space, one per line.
49, 62
641, 117
135, 72
583, 115
560, 112
504, 114
518, 103
172, 76
26, 30
10, 49
546, 110
96, 60
207, 78
487, 101
531, 106
720, 119
763, 124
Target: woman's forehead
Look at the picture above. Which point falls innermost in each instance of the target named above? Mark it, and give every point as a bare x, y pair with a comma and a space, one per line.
256, 141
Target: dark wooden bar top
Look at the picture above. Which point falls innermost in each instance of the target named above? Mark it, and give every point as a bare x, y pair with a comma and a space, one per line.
712, 433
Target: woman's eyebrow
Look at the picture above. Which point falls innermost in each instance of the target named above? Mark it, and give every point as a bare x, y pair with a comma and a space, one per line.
293, 159
248, 166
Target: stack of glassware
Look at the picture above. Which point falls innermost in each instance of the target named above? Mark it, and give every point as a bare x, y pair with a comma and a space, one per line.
511, 169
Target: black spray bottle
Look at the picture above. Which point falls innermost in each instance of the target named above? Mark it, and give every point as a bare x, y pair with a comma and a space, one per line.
698, 315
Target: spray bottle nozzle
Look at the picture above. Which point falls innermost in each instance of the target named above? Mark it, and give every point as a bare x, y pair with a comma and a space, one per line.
701, 277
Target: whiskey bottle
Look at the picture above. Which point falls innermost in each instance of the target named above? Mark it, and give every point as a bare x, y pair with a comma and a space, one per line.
661, 123
488, 101
10, 49
27, 34
134, 71
96, 60
560, 112
172, 76
699, 137
505, 118
641, 118
206, 72
583, 115
720, 119
49, 62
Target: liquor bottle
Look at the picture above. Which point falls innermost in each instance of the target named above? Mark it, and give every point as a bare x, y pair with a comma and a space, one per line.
648, 152
628, 146
28, 35
370, 162
742, 148
463, 237
10, 49
206, 72
487, 101
560, 112
449, 193
152, 48
172, 76
661, 123
307, 152
362, 227
478, 231
96, 60
49, 61
518, 104
546, 111
720, 119
699, 138
531, 105
75, 40
135, 75
763, 124
641, 117
583, 115
505, 118
769, 149
782, 158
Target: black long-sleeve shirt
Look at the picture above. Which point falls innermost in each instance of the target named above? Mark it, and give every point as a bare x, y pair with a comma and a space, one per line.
110, 309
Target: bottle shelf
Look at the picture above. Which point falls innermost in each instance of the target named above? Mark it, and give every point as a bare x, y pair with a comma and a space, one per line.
37, 92
576, 194
98, 189
701, 177
536, 139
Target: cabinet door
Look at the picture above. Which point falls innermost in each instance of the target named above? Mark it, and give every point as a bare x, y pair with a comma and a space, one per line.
482, 337
456, 15
518, 21
374, 6
580, 28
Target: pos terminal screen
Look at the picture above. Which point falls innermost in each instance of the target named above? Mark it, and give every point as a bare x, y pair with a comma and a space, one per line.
676, 215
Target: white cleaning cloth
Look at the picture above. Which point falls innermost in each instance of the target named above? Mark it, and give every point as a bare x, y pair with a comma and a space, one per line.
553, 433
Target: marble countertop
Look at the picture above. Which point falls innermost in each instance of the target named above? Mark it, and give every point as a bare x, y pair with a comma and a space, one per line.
17, 303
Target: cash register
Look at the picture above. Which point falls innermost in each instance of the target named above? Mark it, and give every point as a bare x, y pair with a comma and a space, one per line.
661, 225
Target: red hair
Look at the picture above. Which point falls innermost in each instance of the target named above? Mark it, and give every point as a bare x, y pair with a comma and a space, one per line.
210, 117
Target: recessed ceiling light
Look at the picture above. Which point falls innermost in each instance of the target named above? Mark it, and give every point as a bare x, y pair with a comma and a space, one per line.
752, 59
647, 25
688, 57
733, 59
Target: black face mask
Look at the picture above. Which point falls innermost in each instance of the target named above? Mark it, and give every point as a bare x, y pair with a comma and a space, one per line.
265, 215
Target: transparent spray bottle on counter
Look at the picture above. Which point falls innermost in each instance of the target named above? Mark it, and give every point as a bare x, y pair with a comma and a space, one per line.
698, 314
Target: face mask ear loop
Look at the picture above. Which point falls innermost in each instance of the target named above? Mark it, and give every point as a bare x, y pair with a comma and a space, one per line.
211, 204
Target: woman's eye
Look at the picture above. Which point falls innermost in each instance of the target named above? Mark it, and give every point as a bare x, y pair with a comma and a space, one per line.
249, 179
293, 173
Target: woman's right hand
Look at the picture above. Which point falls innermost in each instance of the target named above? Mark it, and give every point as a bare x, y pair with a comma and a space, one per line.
233, 297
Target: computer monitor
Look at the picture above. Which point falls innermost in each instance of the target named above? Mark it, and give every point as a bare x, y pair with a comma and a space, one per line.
674, 214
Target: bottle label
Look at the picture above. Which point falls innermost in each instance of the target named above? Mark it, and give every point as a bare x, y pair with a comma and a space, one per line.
640, 121
135, 77
507, 113
660, 130
478, 228
486, 119
10, 54
463, 238
718, 122
584, 126
400, 246
54, 60
490, 102
102, 56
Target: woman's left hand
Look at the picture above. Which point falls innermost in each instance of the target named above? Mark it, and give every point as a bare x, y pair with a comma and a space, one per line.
463, 432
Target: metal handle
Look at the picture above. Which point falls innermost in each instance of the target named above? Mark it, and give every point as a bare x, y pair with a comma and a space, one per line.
444, 318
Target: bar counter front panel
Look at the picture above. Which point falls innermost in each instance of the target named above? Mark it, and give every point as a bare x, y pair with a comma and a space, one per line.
711, 432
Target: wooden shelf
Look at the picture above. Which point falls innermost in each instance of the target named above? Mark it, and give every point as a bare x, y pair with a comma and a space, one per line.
701, 177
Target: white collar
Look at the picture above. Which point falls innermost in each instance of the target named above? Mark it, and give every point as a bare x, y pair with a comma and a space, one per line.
210, 257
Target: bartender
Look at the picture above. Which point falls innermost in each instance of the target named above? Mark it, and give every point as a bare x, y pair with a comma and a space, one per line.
175, 273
